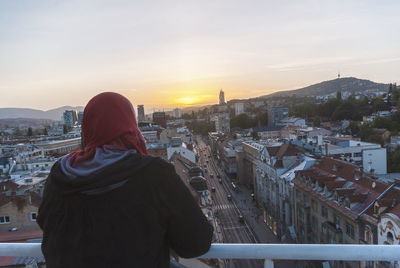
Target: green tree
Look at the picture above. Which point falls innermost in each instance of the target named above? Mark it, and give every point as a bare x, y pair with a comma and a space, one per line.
17, 132
255, 135
354, 128
393, 161
316, 121
242, 121
339, 95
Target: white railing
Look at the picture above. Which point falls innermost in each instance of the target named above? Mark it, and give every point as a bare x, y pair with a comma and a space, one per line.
268, 252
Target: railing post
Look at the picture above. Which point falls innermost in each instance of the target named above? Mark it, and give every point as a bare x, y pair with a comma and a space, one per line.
268, 263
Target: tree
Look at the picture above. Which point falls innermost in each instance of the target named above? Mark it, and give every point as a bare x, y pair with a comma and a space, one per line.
45, 132
316, 121
339, 95
30, 132
255, 135
17, 132
354, 128
242, 121
65, 129
393, 161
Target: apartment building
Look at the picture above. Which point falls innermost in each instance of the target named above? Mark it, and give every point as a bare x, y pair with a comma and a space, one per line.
334, 203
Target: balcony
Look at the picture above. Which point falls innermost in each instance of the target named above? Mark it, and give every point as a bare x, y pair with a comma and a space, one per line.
266, 252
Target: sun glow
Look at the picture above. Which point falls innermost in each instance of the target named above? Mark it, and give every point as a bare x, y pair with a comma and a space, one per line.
188, 100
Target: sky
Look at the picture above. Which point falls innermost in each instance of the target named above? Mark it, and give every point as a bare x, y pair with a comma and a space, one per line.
167, 54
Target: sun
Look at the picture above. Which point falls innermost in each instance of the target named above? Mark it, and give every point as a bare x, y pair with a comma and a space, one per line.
188, 100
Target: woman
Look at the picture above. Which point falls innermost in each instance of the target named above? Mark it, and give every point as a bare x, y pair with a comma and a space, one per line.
112, 205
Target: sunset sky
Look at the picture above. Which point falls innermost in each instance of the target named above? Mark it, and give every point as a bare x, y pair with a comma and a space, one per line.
167, 54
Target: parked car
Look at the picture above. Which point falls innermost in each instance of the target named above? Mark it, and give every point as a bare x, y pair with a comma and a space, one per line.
220, 181
241, 219
213, 189
229, 196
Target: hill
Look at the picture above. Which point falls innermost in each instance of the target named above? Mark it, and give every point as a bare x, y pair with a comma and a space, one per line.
349, 84
53, 114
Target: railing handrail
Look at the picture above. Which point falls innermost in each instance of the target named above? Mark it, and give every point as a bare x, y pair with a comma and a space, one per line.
345, 252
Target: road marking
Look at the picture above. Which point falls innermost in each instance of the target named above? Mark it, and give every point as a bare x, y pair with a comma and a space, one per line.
234, 227
222, 207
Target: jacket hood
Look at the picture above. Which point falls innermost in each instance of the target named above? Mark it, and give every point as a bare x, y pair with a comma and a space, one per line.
101, 180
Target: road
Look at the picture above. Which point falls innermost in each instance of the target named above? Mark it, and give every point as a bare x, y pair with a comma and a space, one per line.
226, 212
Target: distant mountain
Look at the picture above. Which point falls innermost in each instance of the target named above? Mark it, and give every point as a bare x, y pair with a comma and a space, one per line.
349, 84
53, 114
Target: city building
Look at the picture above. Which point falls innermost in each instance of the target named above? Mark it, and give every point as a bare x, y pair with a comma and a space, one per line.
179, 147
140, 110
151, 136
292, 121
239, 108
70, 117
336, 203
222, 123
177, 113
273, 193
276, 114
221, 97
160, 119
370, 156
80, 117
18, 211
271, 132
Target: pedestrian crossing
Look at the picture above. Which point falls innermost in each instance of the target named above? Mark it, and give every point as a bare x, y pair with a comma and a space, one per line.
223, 207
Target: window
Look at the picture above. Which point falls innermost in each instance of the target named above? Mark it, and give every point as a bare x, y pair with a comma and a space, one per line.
324, 212
336, 220
357, 154
350, 230
33, 216
313, 205
4, 219
368, 235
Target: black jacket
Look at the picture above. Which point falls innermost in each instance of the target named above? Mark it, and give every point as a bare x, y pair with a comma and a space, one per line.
128, 215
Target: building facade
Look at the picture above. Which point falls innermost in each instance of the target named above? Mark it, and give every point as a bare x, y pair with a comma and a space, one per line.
70, 117
140, 110
276, 114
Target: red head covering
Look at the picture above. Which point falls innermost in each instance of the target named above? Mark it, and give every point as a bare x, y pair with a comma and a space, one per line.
108, 119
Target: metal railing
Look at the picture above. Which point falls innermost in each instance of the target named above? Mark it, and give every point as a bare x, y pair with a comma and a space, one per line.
267, 252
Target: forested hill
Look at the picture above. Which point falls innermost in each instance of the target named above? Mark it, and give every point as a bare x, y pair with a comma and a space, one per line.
350, 84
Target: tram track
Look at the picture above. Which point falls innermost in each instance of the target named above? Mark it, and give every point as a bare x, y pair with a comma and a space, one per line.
226, 211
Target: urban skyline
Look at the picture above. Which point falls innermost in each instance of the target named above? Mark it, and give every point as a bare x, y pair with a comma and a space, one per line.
181, 54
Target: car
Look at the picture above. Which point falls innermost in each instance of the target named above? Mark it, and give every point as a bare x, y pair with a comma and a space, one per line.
229, 196
211, 175
253, 197
205, 170
218, 176
220, 181
241, 219
205, 165
234, 187
213, 189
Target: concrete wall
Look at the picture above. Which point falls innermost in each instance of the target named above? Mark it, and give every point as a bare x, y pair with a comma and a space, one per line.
374, 159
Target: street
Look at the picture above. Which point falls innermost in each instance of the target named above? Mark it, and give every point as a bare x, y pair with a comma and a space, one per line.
236, 218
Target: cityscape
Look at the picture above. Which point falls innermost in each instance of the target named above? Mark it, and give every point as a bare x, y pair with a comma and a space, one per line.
282, 119
262, 170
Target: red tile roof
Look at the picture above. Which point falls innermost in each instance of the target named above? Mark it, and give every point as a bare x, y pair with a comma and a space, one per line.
363, 191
